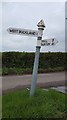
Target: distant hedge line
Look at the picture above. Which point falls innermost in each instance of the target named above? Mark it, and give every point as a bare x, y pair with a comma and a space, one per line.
26, 60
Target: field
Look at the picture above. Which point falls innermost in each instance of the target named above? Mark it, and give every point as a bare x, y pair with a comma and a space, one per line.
44, 104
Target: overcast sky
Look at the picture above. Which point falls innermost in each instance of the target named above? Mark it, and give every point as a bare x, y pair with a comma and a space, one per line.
27, 15
66, 27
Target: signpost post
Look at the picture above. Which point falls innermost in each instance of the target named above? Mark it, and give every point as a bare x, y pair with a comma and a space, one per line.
34, 33
41, 26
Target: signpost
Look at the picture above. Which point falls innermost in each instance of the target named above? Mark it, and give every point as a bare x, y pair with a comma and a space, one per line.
41, 26
46, 42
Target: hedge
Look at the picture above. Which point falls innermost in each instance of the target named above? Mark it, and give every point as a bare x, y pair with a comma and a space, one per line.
26, 60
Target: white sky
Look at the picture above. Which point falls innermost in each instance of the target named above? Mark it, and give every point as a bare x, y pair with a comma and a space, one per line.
27, 15
66, 27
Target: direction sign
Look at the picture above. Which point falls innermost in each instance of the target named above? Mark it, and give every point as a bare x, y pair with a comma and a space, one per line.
47, 42
25, 32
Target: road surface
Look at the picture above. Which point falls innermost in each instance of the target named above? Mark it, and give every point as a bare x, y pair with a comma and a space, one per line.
23, 81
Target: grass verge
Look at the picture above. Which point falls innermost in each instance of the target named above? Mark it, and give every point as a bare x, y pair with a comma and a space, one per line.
44, 104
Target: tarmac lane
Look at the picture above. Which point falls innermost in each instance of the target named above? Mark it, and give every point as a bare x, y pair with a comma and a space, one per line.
23, 81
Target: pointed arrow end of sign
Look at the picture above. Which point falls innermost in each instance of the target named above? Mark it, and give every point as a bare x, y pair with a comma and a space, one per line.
56, 41
8, 30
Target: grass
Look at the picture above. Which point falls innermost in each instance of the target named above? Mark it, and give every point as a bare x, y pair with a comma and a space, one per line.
0, 106
44, 104
21, 71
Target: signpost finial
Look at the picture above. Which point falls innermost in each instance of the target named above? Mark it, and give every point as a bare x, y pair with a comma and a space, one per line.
41, 24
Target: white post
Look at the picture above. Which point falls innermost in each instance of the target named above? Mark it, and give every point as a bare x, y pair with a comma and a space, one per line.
41, 26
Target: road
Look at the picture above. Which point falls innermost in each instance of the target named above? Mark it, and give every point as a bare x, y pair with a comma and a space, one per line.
44, 80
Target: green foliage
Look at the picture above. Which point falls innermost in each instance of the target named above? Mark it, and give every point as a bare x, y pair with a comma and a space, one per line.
17, 59
45, 104
16, 71
21, 71
0, 106
51, 60
47, 70
22, 62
